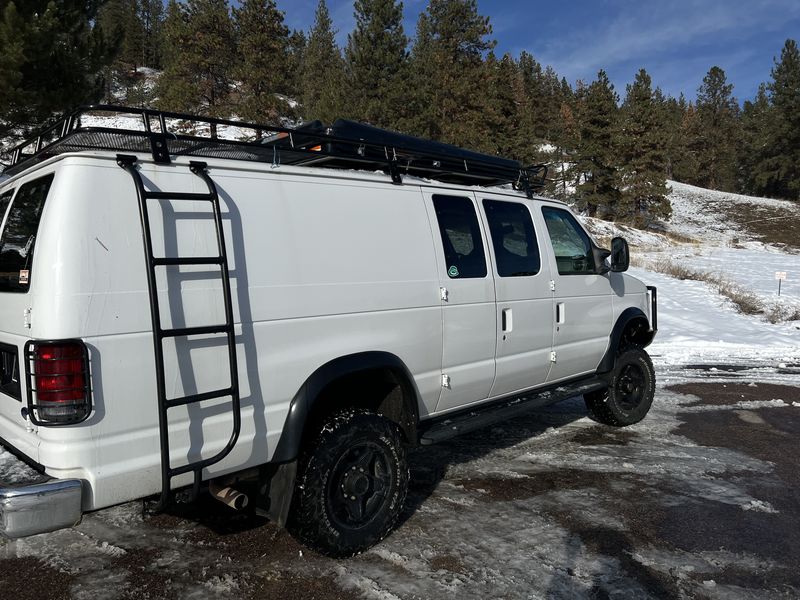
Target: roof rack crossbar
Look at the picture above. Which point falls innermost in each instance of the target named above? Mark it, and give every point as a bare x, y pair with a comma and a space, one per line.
344, 145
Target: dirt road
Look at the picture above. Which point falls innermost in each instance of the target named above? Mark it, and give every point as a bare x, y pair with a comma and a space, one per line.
700, 500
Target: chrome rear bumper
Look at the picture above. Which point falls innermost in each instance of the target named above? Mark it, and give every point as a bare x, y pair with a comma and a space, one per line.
39, 508
31, 502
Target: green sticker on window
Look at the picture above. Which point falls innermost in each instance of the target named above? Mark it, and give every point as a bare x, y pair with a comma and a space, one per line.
453, 271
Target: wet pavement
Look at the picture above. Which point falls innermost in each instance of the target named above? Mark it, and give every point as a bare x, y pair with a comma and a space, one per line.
700, 500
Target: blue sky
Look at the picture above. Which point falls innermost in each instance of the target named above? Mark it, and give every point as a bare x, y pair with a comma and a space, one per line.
677, 41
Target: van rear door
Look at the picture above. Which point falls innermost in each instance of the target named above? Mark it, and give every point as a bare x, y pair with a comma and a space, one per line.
21, 209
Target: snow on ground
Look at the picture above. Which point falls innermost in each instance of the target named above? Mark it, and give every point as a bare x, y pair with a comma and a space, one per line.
753, 269
697, 325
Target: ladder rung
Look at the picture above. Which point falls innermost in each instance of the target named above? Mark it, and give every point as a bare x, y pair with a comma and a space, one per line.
178, 196
192, 398
196, 330
194, 260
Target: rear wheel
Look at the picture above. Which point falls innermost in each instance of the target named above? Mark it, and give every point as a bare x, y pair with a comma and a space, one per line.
352, 486
630, 391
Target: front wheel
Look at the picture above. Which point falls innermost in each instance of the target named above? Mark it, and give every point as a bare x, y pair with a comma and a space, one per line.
352, 486
630, 391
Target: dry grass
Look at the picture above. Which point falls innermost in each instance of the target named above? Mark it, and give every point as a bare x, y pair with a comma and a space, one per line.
673, 269
780, 314
744, 300
679, 238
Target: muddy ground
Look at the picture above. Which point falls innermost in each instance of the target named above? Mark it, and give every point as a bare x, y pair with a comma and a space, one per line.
700, 500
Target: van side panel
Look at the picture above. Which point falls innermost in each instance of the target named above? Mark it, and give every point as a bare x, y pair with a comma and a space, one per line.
319, 268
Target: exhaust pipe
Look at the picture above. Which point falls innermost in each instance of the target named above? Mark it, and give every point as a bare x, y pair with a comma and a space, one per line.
228, 496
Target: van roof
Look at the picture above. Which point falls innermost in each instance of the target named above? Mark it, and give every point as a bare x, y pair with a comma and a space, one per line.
344, 145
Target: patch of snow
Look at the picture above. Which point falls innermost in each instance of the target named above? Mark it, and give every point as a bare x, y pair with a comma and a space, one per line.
759, 506
13, 470
221, 585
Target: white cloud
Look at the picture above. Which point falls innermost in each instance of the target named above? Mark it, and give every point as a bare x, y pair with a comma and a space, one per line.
644, 31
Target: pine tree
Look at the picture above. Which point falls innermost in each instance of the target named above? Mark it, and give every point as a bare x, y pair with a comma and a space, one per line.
596, 154
198, 65
777, 173
716, 134
296, 51
565, 136
262, 62
531, 101
685, 166
505, 97
323, 71
151, 17
376, 60
556, 133
448, 73
755, 141
52, 57
642, 157
119, 20
672, 118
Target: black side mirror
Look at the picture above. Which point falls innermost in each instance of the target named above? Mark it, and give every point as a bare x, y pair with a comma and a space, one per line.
620, 255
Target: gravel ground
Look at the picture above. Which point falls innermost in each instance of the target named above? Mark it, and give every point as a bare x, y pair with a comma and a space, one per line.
700, 500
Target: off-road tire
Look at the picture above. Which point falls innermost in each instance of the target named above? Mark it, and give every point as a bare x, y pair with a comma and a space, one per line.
358, 455
630, 390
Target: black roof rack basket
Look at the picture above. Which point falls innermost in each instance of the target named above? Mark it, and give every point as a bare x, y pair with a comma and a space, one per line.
343, 145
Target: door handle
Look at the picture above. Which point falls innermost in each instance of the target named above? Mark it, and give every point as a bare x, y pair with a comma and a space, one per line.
561, 313
508, 320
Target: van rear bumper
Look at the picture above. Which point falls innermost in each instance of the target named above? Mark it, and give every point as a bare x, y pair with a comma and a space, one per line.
40, 507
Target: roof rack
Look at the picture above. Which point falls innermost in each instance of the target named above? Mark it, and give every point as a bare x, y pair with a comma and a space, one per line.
344, 145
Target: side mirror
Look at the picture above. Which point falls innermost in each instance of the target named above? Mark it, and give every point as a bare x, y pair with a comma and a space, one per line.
620, 255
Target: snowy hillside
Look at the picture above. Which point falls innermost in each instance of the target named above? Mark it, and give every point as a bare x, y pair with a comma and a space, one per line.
737, 245
732, 219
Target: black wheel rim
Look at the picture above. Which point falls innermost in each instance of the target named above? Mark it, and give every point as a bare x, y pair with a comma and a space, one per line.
630, 387
359, 485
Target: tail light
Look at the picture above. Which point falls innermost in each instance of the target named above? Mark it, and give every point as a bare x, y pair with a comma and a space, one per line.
58, 382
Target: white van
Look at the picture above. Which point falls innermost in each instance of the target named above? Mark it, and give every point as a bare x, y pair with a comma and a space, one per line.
275, 320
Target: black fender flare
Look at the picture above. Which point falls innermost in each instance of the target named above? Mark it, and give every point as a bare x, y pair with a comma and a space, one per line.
627, 317
301, 406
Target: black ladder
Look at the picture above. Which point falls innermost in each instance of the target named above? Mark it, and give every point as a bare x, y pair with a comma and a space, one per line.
128, 163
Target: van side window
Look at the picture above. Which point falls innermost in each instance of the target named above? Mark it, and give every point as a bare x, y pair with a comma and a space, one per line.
461, 237
19, 235
515, 249
5, 199
572, 246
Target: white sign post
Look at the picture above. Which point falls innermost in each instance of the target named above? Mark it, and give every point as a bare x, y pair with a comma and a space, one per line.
780, 276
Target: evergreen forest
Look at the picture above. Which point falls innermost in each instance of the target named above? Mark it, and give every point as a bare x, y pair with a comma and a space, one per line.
611, 151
